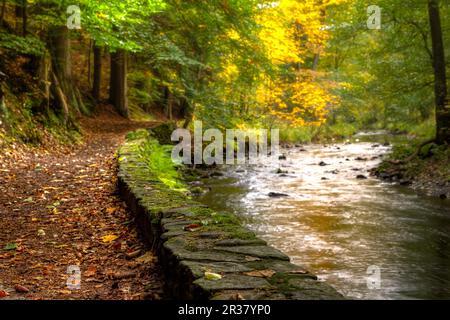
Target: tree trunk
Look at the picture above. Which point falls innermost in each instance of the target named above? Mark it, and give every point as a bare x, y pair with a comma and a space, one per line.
2, 16
61, 68
18, 12
169, 106
440, 83
118, 82
24, 18
97, 72
60, 47
63, 90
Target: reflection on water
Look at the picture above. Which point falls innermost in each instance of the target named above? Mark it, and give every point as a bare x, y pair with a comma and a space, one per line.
337, 225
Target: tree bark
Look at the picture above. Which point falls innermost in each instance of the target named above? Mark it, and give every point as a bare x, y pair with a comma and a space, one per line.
97, 72
24, 18
59, 44
118, 82
440, 83
2, 16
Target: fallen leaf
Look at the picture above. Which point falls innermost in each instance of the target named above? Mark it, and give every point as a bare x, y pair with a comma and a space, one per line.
109, 238
146, 258
90, 272
3, 294
124, 275
10, 246
192, 227
133, 254
251, 259
260, 273
65, 291
212, 276
111, 210
21, 289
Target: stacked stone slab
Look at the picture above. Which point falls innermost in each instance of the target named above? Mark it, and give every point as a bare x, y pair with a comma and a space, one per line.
249, 268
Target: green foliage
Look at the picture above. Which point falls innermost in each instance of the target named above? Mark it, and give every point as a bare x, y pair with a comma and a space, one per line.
158, 159
22, 45
299, 134
388, 73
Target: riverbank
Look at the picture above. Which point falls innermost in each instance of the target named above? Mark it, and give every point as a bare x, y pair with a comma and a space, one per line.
428, 172
205, 254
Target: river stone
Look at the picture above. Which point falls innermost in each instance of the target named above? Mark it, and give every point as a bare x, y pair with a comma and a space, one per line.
198, 268
256, 251
240, 242
233, 282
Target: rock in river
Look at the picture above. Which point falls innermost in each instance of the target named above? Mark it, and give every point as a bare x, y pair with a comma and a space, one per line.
277, 195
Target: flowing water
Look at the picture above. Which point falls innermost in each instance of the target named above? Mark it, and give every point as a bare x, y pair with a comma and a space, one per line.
340, 227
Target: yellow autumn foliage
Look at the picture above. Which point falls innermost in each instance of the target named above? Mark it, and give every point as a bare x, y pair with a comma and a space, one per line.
294, 31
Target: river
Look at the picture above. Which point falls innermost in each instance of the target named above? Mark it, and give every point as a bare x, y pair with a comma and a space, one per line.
341, 227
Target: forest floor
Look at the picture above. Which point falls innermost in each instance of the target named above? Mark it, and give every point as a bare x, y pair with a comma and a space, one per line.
59, 208
428, 174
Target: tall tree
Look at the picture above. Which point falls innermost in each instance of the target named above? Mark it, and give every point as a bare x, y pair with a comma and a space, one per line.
96, 87
118, 82
440, 82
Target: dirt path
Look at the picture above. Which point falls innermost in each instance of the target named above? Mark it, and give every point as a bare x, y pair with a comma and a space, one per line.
59, 208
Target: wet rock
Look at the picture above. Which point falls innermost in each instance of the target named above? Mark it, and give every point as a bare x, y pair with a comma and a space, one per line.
216, 174
323, 164
356, 169
302, 150
335, 172
443, 196
198, 191
277, 195
280, 171
361, 177
360, 159
282, 157
405, 182
323, 178
298, 146
386, 144
375, 146
240, 171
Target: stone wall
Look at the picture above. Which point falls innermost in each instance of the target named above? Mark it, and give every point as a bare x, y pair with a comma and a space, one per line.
193, 241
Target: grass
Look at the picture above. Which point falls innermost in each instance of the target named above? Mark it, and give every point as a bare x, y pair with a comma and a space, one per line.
158, 159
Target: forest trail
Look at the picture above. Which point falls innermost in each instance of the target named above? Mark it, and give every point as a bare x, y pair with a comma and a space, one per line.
59, 208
